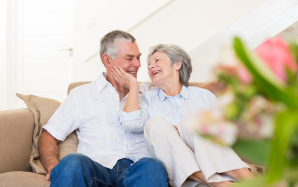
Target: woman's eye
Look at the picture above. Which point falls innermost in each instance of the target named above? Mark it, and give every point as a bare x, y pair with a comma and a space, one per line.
156, 60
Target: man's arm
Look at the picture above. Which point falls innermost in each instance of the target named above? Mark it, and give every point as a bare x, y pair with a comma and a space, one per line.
215, 87
48, 152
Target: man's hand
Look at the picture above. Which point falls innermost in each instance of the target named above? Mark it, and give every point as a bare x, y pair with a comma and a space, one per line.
48, 175
122, 78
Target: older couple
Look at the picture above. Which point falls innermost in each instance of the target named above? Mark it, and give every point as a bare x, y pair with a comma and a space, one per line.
167, 115
114, 142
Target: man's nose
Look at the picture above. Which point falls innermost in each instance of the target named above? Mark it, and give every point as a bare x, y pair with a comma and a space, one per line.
137, 63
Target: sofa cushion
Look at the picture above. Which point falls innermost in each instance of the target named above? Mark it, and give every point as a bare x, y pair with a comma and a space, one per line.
42, 109
23, 179
16, 129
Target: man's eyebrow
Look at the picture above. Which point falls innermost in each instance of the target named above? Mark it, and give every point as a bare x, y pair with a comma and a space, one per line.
131, 56
128, 55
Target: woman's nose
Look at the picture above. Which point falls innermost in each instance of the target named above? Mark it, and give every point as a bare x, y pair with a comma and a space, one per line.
151, 66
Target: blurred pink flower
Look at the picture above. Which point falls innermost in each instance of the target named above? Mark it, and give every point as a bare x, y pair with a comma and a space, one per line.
276, 54
237, 70
259, 118
214, 128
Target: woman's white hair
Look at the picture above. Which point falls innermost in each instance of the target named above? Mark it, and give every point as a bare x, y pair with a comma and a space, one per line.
176, 54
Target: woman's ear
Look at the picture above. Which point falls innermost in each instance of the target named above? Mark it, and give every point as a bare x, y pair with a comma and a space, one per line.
178, 66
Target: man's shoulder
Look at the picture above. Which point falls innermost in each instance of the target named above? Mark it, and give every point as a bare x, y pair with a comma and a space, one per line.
82, 88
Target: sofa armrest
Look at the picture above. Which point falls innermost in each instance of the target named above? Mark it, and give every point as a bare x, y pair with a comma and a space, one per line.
16, 129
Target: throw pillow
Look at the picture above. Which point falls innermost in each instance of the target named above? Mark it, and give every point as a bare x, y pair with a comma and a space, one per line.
42, 109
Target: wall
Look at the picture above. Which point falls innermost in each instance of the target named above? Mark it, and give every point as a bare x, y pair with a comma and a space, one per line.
273, 17
187, 23
3, 55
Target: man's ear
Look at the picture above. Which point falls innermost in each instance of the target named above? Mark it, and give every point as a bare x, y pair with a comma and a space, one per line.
106, 60
178, 66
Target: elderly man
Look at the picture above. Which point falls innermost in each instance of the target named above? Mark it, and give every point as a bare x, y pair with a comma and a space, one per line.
107, 154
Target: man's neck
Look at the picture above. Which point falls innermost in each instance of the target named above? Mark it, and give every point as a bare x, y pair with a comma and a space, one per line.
122, 91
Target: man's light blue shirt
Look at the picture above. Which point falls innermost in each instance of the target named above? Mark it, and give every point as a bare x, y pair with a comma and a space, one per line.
191, 100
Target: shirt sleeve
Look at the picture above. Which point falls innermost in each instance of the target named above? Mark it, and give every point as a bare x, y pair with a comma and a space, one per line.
134, 121
64, 120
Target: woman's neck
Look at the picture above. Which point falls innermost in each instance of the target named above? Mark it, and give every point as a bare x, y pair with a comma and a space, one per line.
171, 88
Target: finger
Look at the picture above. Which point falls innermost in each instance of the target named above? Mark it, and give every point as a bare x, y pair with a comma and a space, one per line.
118, 72
48, 176
121, 70
115, 73
115, 76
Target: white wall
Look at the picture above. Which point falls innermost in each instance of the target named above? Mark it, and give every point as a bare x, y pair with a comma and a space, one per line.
187, 23
265, 21
108, 16
3, 55
290, 33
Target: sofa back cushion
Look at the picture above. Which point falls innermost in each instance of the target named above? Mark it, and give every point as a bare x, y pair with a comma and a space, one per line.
42, 109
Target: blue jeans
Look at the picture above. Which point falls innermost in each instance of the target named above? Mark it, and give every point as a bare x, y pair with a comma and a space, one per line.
80, 170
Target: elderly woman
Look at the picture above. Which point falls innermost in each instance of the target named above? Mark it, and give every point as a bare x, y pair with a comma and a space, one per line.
166, 115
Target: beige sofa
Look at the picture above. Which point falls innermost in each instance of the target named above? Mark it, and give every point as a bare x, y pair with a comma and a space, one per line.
16, 129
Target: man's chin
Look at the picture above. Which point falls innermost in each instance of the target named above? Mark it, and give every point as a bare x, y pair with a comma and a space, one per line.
134, 75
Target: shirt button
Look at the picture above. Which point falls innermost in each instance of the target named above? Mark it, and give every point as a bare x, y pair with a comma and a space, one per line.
126, 145
126, 132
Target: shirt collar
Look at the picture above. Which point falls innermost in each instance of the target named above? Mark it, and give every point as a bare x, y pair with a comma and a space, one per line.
183, 93
101, 81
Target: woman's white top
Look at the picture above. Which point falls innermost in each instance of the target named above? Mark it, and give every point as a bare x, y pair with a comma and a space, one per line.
191, 100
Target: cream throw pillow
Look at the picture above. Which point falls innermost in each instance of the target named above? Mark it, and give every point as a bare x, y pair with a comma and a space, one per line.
42, 109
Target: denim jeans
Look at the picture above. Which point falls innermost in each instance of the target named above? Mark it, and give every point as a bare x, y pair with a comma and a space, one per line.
80, 170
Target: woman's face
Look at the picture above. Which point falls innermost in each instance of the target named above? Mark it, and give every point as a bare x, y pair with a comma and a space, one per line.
160, 70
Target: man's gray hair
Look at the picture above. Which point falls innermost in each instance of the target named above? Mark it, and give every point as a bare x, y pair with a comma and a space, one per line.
176, 54
109, 43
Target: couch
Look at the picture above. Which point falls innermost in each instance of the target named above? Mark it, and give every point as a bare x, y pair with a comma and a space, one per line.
16, 130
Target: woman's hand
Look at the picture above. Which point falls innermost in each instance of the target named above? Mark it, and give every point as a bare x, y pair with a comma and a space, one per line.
122, 78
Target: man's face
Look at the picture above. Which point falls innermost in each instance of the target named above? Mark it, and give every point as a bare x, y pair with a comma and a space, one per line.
128, 57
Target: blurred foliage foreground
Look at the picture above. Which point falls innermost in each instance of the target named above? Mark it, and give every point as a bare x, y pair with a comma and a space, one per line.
258, 112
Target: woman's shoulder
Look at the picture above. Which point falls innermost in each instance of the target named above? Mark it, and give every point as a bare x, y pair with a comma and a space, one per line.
200, 91
148, 97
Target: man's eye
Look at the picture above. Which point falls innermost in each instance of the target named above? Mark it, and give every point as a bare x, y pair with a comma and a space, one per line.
129, 59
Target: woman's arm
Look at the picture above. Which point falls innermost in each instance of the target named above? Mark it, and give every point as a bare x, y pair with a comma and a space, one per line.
130, 82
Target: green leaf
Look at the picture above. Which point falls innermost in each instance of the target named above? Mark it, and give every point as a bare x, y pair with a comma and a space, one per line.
264, 78
256, 182
285, 127
294, 50
291, 174
256, 151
